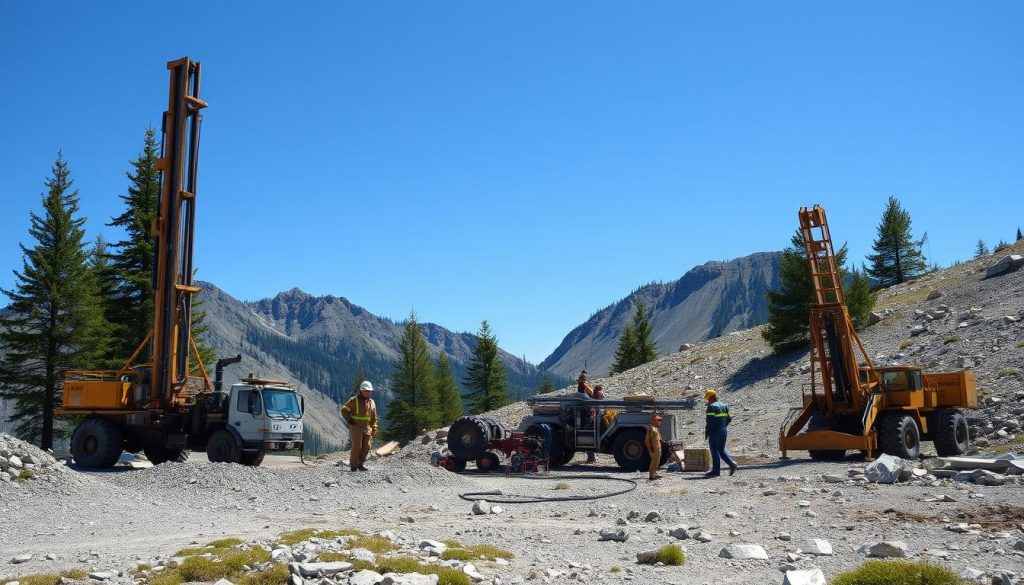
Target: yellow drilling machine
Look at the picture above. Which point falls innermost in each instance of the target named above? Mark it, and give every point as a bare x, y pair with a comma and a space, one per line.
849, 403
162, 401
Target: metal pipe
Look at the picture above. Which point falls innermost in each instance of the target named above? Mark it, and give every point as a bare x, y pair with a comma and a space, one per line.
219, 375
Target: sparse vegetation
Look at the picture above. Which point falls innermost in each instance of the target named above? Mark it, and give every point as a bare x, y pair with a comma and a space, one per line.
297, 536
277, 575
225, 543
1009, 372
898, 573
446, 575
1020, 344
670, 554
372, 543
906, 343
50, 578
26, 474
562, 485
476, 551
951, 339
615, 569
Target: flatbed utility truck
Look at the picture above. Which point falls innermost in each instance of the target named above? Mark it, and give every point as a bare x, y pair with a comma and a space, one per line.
852, 405
162, 401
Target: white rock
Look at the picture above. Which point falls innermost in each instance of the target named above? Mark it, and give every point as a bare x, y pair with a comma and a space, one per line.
361, 554
408, 579
433, 545
743, 552
804, 577
15, 461
481, 507
888, 469
817, 547
319, 569
223, 582
971, 574
103, 576
365, 577
22, 558
497, 509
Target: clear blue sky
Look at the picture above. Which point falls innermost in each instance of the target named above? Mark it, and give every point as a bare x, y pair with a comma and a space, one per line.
523, 162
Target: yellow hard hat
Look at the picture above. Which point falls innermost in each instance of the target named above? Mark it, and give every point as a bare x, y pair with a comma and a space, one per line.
710, 392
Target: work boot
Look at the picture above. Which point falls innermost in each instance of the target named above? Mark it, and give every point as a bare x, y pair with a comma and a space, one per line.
362, 468
655, 476
353, 468
711, 474
732, 469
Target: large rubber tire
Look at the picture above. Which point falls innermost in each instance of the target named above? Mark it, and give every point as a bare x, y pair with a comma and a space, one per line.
567, 455
456, 465
630, 451
488, 462
827, 454
952, 437
554, 449
468, 438
899, 436
252, 459
97, 443
222, 448
158, 455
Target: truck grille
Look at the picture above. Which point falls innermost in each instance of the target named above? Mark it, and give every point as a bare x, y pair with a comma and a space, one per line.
285, 436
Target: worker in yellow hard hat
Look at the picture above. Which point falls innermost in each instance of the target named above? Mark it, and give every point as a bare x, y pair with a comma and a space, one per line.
716, 432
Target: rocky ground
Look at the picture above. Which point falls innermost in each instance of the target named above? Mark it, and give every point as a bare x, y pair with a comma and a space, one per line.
799, 514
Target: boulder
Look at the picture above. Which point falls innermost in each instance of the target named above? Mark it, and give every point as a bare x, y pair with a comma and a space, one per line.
616, 534
319, 569
932, 295
107, 576
361, 554
652, 516
817, 547
744, 552
874, 318
365, 578
686, 347
888, 469
481, 507
408, 579
892, 549
680, 532
24, 558
804, 577
1008, 263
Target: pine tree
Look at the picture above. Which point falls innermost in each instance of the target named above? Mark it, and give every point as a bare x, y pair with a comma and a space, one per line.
897, 256
133, 258
1020, 236
415, 403
625, 354
646, 349
789, 308
860, 299
981, 249
547, 386
447, 391
486, 375
54, 322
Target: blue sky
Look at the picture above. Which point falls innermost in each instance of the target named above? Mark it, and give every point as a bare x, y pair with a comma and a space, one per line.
523, 162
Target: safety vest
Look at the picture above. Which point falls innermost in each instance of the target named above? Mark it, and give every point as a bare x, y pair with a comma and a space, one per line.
354, 412
717, 417
653, 439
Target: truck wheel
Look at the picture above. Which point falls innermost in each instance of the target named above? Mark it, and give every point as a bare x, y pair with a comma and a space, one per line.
899, 436
630, 451
467, 438
252, 459
487, 462
222, 448
567, 455
455, 464
158, 455
952, 436
826, 454
97, 443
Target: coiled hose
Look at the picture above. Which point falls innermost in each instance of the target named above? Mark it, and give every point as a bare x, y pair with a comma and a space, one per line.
502, 498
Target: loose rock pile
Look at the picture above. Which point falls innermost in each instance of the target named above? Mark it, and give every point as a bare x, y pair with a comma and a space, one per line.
20, 461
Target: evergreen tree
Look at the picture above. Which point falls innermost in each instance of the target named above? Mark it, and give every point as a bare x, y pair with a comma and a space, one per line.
54, 322
133, 258
981, 249
1020, 236
789, 308
485, 377
897, 256
447, 391
415, 403
646, 349
860, 299
625, 354
546, 385
104, 278
199, 330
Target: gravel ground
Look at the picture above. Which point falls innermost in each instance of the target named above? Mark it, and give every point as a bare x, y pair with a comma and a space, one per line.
111, 520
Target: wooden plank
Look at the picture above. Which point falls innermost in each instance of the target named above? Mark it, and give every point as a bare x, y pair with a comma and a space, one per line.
387, 449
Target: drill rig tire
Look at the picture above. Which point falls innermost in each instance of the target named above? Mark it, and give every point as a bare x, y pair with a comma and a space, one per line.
222, 448
899, 436
630, 451
953, 437
158, 455
97, 443
468, 438
252, 459
488, 462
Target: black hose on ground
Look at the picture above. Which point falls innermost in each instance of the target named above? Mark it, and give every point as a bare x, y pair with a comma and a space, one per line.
501, 498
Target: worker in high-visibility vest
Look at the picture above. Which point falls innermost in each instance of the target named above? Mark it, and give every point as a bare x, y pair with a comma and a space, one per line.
716, 432
360, 413
653, 442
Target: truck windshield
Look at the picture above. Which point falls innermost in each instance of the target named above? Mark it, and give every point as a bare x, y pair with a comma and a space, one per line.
281, 403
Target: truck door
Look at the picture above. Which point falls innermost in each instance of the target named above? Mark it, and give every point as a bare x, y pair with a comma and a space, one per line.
247, 414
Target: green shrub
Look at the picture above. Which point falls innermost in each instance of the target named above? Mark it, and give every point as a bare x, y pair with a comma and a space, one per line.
49, 578
377, 544
951, 339
26, 474
898, 573
615, 569
445, 575
906, 343
202, 569
670, 554
562, 485
330, 556
475, 552
167, 578
1009, 372
1020, 344
277, 575
297, 536
225, 543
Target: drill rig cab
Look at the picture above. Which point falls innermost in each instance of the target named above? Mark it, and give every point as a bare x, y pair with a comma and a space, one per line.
851, 405
162, 401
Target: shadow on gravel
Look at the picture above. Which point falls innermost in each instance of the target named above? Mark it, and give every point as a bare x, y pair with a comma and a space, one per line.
760, 368
116, 469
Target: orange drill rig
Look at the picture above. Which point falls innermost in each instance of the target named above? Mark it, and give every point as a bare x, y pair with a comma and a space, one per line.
851, 405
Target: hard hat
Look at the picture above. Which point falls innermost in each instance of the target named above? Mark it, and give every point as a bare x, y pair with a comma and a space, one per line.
656, 418
710, 392
366, 385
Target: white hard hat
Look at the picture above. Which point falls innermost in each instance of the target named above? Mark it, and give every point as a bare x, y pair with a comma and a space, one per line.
366, 385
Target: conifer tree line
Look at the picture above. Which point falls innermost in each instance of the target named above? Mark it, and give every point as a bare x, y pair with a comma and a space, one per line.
78, 304
425, 392
635, 344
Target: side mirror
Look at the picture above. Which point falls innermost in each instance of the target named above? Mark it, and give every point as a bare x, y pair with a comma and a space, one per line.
302, 404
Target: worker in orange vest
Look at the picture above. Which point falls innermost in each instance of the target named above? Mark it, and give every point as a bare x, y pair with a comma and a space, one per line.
360, 413
653, 442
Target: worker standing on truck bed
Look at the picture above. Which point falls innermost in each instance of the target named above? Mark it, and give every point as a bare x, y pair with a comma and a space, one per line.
716, 432
360, 413
653, 442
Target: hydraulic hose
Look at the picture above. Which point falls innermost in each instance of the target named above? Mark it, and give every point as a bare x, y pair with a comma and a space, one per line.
499, 497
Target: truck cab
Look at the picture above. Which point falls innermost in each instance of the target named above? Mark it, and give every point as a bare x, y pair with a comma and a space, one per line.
266, 416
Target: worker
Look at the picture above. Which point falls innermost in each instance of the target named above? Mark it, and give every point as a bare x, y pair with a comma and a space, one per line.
609, 413
596, 419
716, 432
360, 413
653, 442
581, 384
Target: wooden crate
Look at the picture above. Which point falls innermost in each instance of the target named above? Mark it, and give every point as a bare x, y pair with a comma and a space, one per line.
697, 459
